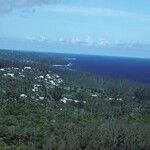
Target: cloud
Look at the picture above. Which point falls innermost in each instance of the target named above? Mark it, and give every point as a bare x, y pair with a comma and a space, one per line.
98, 42
95, 11
103, 42
41, 39
87, 40
30, 38
8, 5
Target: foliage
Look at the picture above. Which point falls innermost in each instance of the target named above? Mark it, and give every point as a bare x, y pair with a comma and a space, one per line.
117, 117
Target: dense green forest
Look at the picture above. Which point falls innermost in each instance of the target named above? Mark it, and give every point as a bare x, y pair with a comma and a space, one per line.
48, 108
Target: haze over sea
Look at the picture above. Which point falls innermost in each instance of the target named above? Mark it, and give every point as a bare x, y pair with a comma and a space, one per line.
118, 67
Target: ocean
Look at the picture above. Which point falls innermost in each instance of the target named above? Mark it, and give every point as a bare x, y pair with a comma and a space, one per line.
117, 67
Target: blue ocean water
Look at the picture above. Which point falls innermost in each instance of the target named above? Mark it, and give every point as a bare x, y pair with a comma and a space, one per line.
125, 68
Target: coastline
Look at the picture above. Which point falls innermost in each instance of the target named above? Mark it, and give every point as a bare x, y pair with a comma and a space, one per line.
68, 65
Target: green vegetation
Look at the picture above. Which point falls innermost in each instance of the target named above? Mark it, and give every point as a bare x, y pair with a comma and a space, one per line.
45, 108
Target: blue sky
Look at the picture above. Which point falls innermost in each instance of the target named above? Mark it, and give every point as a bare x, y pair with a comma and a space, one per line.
93, 23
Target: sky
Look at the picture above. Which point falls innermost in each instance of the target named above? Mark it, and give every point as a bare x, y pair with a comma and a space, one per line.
99, 27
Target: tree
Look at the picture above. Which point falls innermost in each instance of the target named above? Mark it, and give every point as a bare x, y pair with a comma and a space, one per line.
140, 95
57, 93
81, 96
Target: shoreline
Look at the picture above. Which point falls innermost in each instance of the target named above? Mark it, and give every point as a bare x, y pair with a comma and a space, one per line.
68, 65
